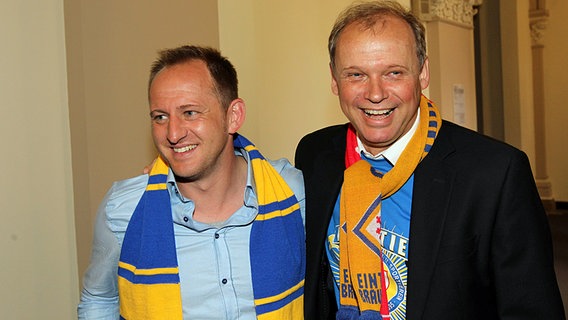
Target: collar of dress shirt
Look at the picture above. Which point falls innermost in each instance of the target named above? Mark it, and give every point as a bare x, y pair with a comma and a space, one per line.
243, 216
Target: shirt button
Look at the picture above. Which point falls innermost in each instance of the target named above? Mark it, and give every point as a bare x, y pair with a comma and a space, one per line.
186, 219
216, 236
224, 281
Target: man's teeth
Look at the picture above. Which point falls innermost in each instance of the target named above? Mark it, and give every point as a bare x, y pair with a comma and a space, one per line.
372, 112
185, 149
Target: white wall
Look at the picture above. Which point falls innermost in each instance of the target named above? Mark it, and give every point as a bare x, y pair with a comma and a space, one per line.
38, 272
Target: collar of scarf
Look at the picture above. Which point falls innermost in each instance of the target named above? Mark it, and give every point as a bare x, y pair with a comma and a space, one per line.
364, 293
148, 274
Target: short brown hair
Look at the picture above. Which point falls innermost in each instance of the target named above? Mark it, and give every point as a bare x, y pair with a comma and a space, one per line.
367, 14
222, 71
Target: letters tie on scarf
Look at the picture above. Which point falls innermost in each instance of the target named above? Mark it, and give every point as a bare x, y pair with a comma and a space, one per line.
148, 274
360, 253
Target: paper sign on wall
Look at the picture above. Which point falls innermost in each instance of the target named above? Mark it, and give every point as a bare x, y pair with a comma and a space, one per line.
459, 104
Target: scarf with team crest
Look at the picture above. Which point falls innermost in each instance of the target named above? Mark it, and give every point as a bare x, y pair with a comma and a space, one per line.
148, 274
364, 292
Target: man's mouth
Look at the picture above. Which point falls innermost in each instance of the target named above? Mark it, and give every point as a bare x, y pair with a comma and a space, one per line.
378, 113
185, 149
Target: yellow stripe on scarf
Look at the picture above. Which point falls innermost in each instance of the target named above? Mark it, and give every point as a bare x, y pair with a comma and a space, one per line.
293, 310
147, 272
275, 214
165, 301
281, 295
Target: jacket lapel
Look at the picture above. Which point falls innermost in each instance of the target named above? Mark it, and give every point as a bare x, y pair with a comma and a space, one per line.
433, 182
329, 176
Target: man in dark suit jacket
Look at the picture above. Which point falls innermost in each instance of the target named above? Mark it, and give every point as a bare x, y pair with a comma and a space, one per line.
479, 245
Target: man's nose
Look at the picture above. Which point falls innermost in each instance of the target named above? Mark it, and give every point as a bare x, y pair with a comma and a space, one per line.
375, 90
176, 130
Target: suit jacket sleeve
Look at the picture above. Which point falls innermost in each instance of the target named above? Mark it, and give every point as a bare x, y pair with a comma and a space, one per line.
480, 244
521, 250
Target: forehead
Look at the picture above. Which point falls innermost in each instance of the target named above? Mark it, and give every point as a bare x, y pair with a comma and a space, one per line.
184, 83
193, 72
388, 37
384, 28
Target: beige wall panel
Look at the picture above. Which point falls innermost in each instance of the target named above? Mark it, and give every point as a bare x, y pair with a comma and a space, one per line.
556, 96
452, 61
38, 272
280, 51
517, 75
111, 45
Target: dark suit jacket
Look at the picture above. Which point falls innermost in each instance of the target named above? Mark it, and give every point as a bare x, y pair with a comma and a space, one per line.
479, 245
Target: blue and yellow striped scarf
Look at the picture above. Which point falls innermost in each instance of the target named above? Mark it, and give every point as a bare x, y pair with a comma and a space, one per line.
148, 275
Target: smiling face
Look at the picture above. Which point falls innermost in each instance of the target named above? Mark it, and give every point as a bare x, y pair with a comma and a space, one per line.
191, 129
378, 79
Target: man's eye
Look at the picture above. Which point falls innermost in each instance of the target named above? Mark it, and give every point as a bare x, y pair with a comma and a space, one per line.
159, 117
396, 73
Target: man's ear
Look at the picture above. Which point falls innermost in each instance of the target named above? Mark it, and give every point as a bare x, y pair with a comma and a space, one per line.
424, 76
334, 87
236, 114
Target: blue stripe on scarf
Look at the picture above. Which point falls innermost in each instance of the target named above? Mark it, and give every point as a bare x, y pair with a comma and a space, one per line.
255, 154
284, 274
159, 178
280, 303
163, 242
277, 205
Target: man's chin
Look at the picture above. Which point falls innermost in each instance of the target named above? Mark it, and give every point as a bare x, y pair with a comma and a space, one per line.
184, 179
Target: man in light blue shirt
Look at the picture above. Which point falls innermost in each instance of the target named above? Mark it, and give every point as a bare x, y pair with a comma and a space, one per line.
215, 192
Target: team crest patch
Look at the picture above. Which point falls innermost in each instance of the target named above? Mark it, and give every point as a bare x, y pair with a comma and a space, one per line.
368, 230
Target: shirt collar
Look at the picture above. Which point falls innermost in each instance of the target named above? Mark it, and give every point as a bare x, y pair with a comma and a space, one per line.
242, 216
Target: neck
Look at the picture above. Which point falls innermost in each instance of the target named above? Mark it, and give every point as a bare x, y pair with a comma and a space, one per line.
218, 196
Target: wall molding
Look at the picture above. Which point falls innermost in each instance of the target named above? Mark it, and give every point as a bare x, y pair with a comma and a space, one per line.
458, 12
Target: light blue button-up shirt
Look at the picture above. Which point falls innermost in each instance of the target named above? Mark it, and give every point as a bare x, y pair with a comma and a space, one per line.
214, 263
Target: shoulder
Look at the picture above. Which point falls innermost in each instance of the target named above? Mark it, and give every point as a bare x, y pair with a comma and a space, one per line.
125, 189
287, 171
121, 200
464, 139
459, 145
293, 177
